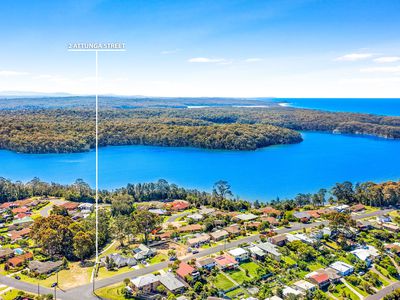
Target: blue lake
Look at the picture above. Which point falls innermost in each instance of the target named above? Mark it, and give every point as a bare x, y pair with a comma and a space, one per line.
319, 161
382, 106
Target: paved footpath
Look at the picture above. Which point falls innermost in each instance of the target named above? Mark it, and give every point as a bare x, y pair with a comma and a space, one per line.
84, 292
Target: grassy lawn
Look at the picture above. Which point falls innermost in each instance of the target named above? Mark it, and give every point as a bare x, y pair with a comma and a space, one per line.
239, 292
12, 294
362, 292
111, 250
112, 292
104, 273
66, 278
239, 276
341, 288
252, 267
290, 261
315, 266
332, 244
221, 282
158, 258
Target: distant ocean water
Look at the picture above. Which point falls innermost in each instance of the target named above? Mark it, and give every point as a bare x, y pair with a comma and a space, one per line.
379, 106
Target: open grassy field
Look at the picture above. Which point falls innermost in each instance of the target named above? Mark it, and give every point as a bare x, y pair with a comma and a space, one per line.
73, 277
112, 292
239, 276
222, 282
252, 267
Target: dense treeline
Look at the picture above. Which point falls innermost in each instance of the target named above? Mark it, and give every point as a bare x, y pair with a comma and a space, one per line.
57, 132
369, 193
72, 130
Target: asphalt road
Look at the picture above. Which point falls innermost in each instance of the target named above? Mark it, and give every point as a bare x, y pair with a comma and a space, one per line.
176, 216
383, 292
84, 292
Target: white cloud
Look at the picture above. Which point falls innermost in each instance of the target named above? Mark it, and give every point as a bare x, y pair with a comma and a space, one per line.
354, 57
206, 60
253, 59
387, 59
381, 70
7, 73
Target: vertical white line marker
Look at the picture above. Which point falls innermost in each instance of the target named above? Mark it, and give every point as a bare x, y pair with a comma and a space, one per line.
97, 159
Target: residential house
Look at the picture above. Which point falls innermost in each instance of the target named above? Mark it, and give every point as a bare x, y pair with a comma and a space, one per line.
171, 283
252, 225
357, 207
302, 216
246, 217
8, 205
143, 252
314, 214
270, 250
364, 225
195, 217
19, 210
226, 262
274, 298
366, 254
321, 279
342, 268
333, 274
287, 290
393, 248
47, 267
239, 254
70, 206
278, 240
391, 227
16, 235
145, 284
207, 263
291, 237
119, 260
305, 238
19, 260
271, 220
233, 230
304, 286
191, 228
383, 219
268, 210
24, 222
341, 208
6, 253
257, 253
158, 211
86, 207
219, 235
185, 270
206, 210
177, 205
199, 240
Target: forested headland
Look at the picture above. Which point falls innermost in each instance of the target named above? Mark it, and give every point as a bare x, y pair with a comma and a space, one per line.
63, 130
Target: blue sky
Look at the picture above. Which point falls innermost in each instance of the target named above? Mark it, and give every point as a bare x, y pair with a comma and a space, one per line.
204, 48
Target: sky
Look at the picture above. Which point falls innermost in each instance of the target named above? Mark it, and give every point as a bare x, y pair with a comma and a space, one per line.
212, 48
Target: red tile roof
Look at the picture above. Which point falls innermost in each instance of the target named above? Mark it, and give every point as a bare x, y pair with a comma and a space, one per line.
320, 277
21, 216
20, 210
15, 235
70, 205
17, 260
184, 270
178, 205
269, 210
